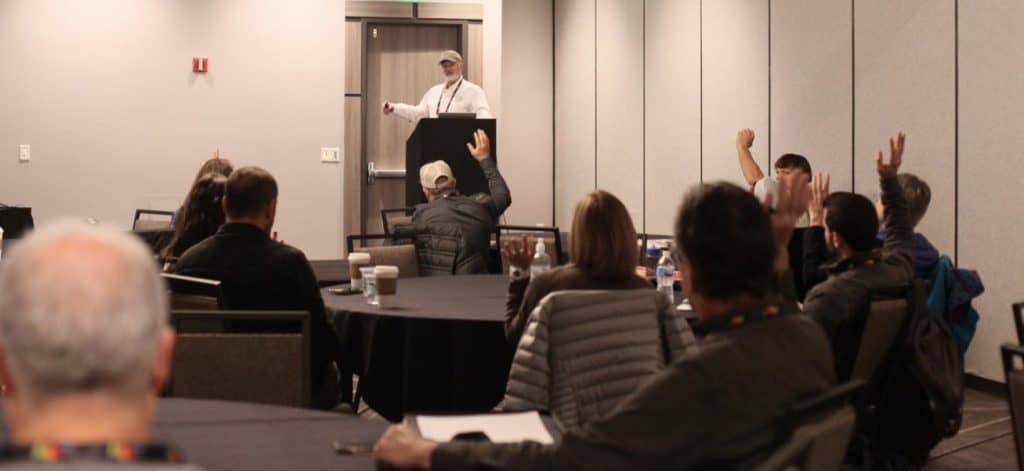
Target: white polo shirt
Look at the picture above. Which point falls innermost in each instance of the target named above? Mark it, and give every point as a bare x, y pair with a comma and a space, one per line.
462, 96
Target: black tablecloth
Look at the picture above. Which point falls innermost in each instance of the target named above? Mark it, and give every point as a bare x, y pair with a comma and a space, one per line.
330, 272
232, 435
441, 349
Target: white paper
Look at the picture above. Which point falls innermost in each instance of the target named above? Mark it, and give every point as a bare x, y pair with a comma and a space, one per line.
500, 428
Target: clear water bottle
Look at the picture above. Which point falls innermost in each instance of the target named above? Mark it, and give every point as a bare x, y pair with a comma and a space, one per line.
541, 260
651, 258
666, 268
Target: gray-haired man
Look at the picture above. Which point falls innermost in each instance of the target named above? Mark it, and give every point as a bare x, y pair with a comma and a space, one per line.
84, 344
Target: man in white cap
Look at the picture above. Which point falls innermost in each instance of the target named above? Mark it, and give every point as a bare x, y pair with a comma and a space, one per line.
453, 231
455, 95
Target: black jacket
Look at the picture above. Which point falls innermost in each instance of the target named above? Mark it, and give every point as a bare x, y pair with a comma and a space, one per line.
453, 232
257, 272
712, 409
841, 302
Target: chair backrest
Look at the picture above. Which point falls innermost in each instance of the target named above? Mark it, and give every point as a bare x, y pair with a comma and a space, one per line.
394, 216
1013, 367
819, 430
1018, 321
585, 382
190, 292
365, 240
151, 220
792, 456
403, 256
261, 356
885, 321
551, 235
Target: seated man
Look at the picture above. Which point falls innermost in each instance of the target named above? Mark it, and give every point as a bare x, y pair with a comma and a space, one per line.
257, 272
453, 231
86, 348
918, 195
849, 225
713, 408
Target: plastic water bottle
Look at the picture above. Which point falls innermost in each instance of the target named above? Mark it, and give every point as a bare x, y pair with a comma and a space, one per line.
666, 268
1, 242
651, 257
541, 260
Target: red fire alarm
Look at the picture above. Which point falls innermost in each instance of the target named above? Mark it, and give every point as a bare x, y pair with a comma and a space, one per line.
199, 65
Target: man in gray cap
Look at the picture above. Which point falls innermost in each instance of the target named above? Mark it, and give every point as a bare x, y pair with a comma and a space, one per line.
453, 231
455, 95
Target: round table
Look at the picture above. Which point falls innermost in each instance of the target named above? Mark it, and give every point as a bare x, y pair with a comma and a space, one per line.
441, 348
237, 435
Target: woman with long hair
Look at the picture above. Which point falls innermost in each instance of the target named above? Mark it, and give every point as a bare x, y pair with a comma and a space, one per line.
201, 215
603, 255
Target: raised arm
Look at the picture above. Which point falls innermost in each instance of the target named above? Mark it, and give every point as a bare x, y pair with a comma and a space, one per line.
815, 248
751, 171
410, 113
899, 230
500, 198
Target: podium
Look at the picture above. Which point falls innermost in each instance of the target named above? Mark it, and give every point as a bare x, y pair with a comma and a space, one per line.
445, 139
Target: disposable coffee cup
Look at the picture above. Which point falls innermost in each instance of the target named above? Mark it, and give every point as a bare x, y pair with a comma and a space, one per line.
387, 285
369, 283
357, 260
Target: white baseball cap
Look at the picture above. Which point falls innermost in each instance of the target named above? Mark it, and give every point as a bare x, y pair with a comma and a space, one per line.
432, 172
450, 56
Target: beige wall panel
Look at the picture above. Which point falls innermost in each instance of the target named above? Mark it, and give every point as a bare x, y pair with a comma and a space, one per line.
117, 120
672, 134
812, 85
905, 80
620, 103
451, 11
371, 9
526, 122
474, 53
735, 55
574, 105
991, 219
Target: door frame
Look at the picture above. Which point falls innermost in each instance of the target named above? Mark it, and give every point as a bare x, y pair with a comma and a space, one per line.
364, 30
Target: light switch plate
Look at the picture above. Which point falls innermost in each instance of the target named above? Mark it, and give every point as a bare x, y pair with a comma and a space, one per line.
330, 154
24, 153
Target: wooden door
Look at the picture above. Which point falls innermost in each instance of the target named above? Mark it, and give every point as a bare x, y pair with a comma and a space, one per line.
401, 65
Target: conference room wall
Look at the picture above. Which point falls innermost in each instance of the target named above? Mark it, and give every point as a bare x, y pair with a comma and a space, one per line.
906, 80
990, 168
812, 85
575, 105
671, 108
526, 128
734, 52
103, 91
620, 102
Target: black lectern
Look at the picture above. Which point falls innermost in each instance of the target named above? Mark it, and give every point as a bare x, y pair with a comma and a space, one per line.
445, 139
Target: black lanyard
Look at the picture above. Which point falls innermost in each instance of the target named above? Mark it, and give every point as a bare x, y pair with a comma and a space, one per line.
438, 111
738, 317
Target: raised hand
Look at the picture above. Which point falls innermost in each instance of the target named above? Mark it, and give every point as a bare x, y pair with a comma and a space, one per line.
886, 170
518, 253
480, 148
819, 191
216, 153
744, 139
793, 200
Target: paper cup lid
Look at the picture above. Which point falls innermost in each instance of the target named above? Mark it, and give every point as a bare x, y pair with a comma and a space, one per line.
386, 270
359, 257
